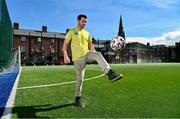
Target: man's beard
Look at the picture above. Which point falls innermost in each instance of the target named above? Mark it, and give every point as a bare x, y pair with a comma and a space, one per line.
82, 26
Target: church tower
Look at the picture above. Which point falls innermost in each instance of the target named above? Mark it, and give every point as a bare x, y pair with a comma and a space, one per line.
121, 30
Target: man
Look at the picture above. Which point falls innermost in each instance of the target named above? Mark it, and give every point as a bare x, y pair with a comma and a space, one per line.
83, 51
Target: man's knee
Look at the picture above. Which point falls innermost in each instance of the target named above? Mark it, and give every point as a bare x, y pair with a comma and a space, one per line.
97, 53
94, 56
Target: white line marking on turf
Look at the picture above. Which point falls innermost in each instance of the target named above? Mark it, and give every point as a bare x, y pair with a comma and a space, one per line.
57, 84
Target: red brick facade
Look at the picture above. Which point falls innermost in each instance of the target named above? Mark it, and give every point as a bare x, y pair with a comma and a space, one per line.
39, 47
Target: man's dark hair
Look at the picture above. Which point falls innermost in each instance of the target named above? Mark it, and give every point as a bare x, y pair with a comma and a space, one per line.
80, 16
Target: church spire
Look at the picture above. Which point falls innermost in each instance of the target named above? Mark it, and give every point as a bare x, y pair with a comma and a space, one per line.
121, 30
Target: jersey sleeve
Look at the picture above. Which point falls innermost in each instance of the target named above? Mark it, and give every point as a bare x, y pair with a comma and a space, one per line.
90, 39
68, 36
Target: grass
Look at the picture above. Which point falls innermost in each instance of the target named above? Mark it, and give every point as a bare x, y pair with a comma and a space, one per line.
147, 90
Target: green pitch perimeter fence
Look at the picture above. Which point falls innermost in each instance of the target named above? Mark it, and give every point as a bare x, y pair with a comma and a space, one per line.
6, 36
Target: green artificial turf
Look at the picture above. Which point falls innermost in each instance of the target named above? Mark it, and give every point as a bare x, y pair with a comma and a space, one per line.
146, 91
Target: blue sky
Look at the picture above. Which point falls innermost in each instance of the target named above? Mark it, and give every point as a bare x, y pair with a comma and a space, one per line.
154, 21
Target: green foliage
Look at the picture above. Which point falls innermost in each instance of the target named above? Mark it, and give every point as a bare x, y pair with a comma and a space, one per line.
177, 50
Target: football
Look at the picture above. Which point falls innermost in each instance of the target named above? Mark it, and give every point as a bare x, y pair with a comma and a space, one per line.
118, 43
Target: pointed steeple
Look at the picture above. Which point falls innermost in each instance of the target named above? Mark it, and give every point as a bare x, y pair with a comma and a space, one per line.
121, 30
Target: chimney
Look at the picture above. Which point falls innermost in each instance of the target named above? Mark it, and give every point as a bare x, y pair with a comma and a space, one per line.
16, 26
148, 44
44, 28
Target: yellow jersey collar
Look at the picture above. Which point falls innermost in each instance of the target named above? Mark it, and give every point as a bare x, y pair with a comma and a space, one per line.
78, 28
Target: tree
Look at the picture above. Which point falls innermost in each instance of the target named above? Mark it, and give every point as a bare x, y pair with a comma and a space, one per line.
177, 50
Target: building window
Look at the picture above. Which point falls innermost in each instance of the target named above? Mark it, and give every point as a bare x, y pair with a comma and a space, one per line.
38, 40
23, 38
53, 41
23, 48
52, 50
38, 50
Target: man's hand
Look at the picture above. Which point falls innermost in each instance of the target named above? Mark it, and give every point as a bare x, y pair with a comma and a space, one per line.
66, 60
91, 47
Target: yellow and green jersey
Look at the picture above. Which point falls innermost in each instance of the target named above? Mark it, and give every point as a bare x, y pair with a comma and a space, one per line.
79, 42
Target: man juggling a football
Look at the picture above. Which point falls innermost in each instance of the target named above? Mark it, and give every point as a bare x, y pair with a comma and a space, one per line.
83, 51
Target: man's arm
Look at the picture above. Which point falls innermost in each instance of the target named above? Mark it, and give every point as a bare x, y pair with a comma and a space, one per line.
66, 57
91, 47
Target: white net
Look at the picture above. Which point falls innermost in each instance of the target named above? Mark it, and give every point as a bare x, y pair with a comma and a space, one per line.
15, 63
17, 58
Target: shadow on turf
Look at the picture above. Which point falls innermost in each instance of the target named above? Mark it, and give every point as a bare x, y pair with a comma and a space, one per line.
31, 111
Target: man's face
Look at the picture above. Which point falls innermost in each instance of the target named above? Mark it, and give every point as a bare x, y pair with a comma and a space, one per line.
82, 22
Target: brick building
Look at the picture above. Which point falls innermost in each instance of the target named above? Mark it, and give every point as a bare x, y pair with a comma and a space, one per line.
39, 47
136, 52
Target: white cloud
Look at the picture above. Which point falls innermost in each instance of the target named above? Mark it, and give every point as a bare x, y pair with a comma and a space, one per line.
162, 3
166, 39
